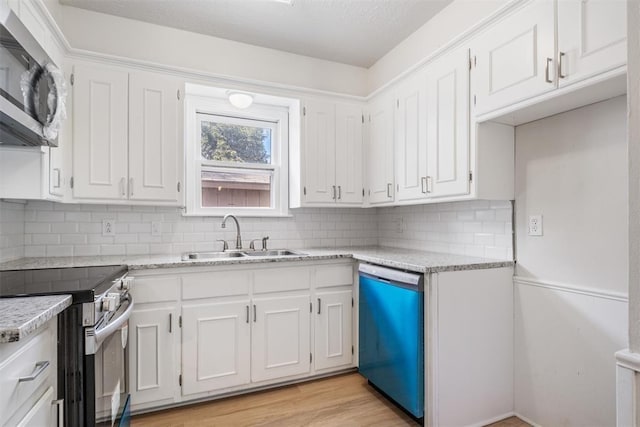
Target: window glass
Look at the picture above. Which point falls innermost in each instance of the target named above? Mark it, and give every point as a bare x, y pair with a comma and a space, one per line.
233, 187
226, 142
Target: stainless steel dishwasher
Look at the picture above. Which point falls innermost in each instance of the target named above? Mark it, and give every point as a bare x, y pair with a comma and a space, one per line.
391, 314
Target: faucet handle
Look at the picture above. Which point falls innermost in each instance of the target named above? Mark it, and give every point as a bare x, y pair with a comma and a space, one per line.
252, 245
225, 245
264, 243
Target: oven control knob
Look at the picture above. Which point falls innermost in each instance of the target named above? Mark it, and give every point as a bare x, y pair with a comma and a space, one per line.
125, 284
110, 303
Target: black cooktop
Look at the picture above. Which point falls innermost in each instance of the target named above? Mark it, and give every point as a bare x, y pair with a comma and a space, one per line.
83, 283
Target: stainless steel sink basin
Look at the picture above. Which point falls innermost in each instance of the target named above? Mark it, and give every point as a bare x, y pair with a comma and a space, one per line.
212, 255
275, 253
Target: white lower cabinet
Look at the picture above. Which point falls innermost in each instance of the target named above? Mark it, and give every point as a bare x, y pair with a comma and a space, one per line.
30, 402
216, 346
151, 354
202, 332
333, 326
280, 337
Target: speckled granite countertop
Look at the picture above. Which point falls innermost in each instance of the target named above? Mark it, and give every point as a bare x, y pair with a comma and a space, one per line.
404, 259
20, 317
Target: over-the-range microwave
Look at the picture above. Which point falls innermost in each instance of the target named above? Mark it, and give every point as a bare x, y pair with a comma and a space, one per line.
31, 87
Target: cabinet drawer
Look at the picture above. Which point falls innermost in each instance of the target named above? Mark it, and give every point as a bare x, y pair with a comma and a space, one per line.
155, 289
334, 275
28, 360
281, 279
215, 284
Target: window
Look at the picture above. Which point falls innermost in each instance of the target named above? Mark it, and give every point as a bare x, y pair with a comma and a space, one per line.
236, 159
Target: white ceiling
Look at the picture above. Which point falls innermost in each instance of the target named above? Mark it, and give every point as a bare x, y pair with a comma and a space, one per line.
356, 32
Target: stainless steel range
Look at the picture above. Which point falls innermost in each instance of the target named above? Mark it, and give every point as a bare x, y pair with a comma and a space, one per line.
93, 333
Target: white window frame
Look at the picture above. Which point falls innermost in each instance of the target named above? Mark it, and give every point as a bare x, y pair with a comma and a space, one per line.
275, 117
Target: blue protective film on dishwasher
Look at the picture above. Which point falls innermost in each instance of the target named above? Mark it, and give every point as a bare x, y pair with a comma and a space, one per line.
391, 341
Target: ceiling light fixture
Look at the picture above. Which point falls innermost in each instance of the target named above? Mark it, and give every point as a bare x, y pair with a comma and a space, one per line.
240, 100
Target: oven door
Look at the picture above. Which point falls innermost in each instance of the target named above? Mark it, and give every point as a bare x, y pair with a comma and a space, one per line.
111, 370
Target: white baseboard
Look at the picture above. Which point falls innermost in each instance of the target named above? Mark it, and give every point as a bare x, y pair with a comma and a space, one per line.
527, 420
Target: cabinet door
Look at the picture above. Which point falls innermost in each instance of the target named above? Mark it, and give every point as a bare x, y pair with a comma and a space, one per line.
280, 337
515, 57
152, 368
319, 152
592, 38
411, 139
215, 346
42, 413
100, 122
155, 137
448, 125
348, 158
333, 330
380, 151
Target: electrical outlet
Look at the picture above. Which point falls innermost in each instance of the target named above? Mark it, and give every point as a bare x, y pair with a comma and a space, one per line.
399, 225
108, 227
156, 228
535, 225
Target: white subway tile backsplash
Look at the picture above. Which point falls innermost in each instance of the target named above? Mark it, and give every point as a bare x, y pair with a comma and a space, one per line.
476, 228
481, 228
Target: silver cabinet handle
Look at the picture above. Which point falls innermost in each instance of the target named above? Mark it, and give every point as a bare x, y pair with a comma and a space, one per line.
339, 192
247, 307
389, 190
546, 71
255, 315
123, 183
319, 306
423, 184
333, 189
40, 367
429, 184
130, 187
560, 62
170, 322
60, 404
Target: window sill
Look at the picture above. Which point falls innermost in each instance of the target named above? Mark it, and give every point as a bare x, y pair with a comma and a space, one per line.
239, 214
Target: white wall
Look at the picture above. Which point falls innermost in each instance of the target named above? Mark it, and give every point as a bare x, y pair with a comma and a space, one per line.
11, 231
476, 228
453, 20
633, 93
571, 284
139, 40
53, 229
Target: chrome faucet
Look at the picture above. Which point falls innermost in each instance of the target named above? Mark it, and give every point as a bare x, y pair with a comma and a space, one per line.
238, 238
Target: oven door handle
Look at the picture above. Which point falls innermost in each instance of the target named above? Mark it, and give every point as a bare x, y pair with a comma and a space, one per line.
104, 333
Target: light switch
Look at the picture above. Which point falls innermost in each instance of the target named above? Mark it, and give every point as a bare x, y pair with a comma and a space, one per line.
535, 225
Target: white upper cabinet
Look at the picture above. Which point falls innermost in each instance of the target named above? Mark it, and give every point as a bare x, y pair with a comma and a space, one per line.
380, 150
411, 138
127, 135
155, 142
515, 58
592, 38
100, 123
448, 125
332, 153
349, 176
319, 152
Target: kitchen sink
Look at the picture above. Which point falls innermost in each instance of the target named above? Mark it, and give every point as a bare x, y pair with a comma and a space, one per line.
212, 255
275, 253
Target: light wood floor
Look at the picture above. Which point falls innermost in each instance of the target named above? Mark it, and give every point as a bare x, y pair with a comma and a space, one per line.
345, 400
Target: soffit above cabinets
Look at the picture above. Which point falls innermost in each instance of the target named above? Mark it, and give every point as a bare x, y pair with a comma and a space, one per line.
355, 32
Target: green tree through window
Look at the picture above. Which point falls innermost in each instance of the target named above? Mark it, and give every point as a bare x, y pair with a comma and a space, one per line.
234, 143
